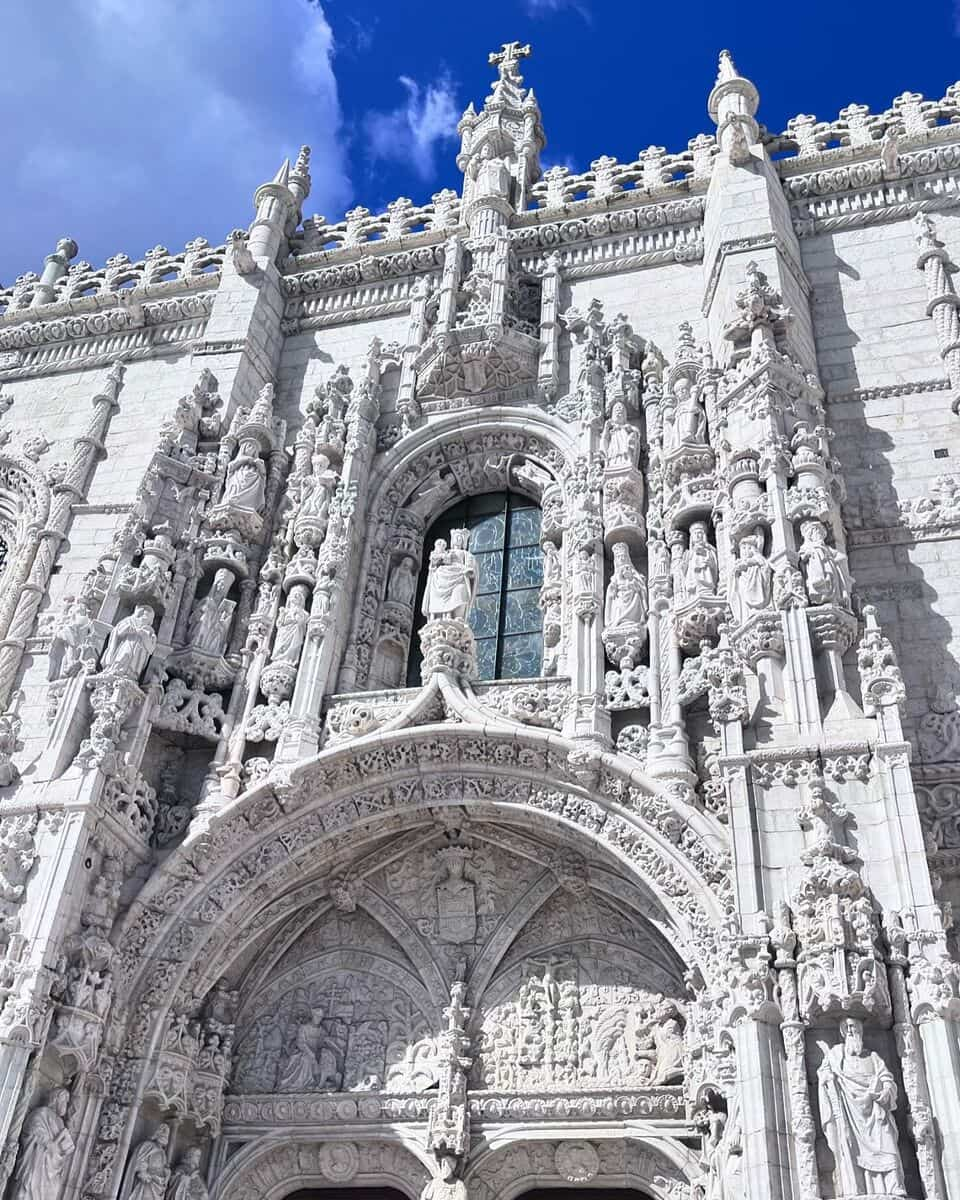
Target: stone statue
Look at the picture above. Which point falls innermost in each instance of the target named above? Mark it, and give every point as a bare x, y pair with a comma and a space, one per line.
186, 1182
621, 441
723, 1157
315, 1060
551, 563
210, 622
752, 578
402, 584
316, 490
452, 580
689, 422
699, 568
130, 644
858, 1097
246, 478
824, 568
291, 628
668, 1043
626, 599
149, 1171
45, 1148
70, 648
445, 1185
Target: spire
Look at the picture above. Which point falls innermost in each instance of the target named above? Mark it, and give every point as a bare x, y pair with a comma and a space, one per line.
283, 175
727, 69
733, 103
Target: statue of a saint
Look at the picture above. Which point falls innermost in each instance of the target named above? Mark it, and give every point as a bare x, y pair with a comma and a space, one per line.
186, 1182
402, 584
858, 1097
130, 644
551, 563
452, 579
315, 1061
291, 627
246, 478
824, 568
626, 599
445, 1185
316, 490
210, 622
699, 568
689, 422
621, 441
149, 1171
70, 647
45, 1148
752, 578
668, 1043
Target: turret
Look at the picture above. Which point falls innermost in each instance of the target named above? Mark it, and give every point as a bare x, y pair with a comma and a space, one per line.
54, 268
500, 146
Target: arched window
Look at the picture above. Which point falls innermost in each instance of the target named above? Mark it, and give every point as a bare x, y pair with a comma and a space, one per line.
506, 618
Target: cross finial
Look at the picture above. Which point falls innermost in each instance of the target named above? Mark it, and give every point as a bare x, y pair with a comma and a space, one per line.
509, 55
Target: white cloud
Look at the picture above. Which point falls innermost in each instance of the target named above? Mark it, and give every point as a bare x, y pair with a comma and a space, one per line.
146, 121
542, 8
412, 132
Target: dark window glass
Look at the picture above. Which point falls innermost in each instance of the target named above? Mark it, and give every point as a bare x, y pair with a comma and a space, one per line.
506, 619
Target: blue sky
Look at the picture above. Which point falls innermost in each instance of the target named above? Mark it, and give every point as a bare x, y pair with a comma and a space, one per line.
128, 123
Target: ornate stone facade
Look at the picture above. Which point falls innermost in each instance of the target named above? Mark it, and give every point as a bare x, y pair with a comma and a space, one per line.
478, 705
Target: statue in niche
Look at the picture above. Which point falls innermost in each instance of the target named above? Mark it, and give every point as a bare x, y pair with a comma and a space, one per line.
246, 478
752, 578
186, 1182
130, 644
45, 1148
316, 490
858, 1097
621, 441
316, 1061
722, 1158
445, 1185
626, 599
699, 568
210, 622
291, 627
402, 584
71, 646
551, 563
452, 580
456, 899
690, 424
824, 568
149, 1171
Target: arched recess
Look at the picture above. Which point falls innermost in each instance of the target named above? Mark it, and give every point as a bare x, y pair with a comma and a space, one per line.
233, 875
272, 1168
233, 883
425, 473
24, 508
586, 1158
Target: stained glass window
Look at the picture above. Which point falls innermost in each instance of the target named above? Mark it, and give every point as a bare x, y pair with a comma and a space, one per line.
505, 618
